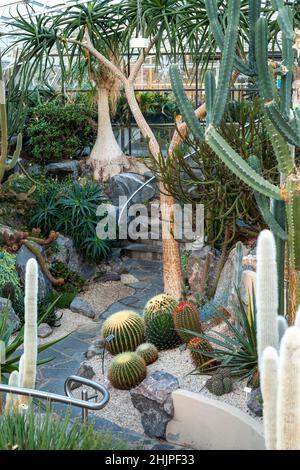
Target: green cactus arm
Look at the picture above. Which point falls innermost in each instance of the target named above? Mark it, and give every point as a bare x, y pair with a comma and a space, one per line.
227, 61
261, 53
218, 34
285, 22
16, 154
210, 90
281, 124
263, 204
238, 166
184, 104
281, 149
254, 12
287, 79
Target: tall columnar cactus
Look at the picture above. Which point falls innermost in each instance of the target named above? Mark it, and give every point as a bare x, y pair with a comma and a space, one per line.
266, 293
127, 331
282, 122
6, 165
186, 317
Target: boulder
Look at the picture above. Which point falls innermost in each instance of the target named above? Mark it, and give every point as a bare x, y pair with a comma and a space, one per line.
201, 269
248, 284
44, 285
125, 184
80, 305
12, 318
44, 330
153, 399
63, 168
86, 371
68, 255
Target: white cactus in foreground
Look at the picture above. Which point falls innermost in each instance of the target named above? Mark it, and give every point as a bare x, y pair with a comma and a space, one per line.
11, 399
266, 293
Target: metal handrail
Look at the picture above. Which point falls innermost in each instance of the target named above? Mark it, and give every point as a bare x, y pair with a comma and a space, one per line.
68, 399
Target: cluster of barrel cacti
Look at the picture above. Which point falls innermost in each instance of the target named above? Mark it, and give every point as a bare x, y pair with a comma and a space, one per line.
26, 375
281, 120
6, 163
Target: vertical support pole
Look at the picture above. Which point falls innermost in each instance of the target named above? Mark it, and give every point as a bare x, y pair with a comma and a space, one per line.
84, 396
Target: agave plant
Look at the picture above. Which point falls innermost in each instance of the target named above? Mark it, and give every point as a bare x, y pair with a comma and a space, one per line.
236, 350
11, 356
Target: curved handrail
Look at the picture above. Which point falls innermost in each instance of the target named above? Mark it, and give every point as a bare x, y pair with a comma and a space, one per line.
67, 400
142, 186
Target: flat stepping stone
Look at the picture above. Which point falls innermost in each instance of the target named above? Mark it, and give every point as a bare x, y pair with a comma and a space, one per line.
80, 305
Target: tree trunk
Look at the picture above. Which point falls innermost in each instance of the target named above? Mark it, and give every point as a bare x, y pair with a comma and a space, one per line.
172, 269
107, 158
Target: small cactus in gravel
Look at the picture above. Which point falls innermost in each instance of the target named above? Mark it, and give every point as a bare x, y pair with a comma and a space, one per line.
186, 317
197, 347
128, 330
127, 370
158, 305
219, 384
148, 352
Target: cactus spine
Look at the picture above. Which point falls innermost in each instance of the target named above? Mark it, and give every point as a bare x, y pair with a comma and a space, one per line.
158, 305
127, 370
282, 122
186, 317
128, 330
266, 293
4, 166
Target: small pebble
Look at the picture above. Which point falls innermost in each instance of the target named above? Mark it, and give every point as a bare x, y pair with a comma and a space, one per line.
44, 330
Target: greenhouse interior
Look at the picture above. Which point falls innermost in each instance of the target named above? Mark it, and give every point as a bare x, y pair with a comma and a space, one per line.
149, 238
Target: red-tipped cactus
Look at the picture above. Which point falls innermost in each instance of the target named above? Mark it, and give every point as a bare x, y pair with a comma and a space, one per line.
198, 348
186, 317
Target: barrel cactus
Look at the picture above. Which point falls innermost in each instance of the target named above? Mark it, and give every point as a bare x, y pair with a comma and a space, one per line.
220, 383
127, 370
148, 352
186, 317
158, 305
198, 349
128, 330
160, 332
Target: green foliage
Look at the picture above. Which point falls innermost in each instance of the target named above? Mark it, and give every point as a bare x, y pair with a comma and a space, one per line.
71, 209
10, 284
186, 316
160, 331
47, 431
128, 330
148, 352
73, 281
219, 384
127, 370
12, 347
58, 131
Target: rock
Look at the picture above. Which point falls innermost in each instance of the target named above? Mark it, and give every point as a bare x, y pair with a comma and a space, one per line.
44, 330
86, 371
80, 305
95, 349
125, 184
44, 285
109, 277
118, 266
153, 399
68, 255
255, 402
12, 318
249, 262
63, 168
225, 290
201, 269
128, 279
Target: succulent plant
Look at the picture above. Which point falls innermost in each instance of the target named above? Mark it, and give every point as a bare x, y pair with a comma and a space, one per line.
158, 305
127, 370
128, 330
219, 384
186, 317
197, 348
148, 352
160, 332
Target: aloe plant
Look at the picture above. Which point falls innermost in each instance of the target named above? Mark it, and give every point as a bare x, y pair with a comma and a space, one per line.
282, 122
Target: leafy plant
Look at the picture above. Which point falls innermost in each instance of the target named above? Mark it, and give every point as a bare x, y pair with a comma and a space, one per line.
10, 285
57, 131
47, 431
237, 349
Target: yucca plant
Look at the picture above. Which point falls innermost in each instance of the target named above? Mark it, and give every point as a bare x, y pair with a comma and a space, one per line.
237, 349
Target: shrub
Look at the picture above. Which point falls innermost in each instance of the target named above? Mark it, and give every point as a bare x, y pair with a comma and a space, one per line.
58, 131
10, 284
